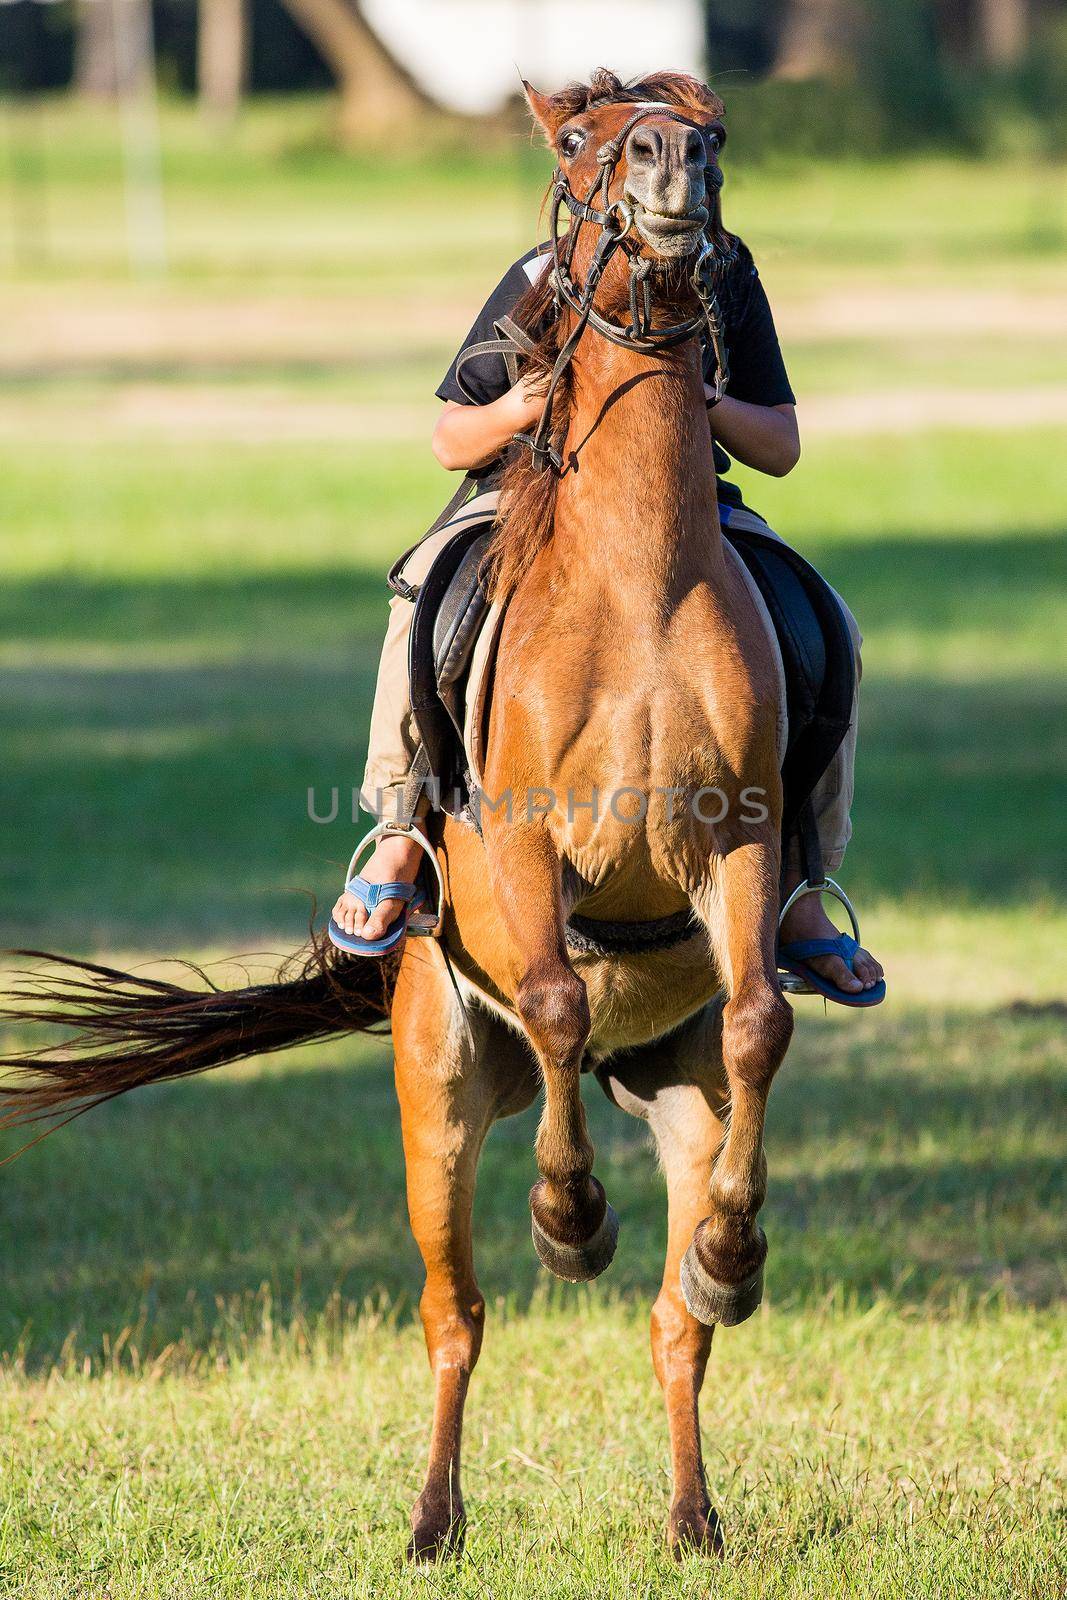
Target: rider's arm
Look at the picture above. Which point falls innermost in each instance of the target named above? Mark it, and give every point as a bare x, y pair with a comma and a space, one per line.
764, 437
470, 436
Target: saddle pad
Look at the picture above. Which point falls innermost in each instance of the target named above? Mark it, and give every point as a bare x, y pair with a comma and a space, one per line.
776, 650
817, 654
443, 631
479, 692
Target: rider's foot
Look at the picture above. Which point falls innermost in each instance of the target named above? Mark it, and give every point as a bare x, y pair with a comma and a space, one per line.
395, 860
808, 920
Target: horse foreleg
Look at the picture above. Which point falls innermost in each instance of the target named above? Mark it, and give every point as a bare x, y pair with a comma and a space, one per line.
574, 1228
449, 1094
722, 1271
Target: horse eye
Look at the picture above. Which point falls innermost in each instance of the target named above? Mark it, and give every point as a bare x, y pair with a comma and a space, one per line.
571, 143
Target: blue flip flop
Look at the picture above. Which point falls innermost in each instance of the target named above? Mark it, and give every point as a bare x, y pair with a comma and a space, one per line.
795, 957
371, 895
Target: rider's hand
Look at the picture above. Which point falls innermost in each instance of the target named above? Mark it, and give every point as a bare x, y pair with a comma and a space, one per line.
471, 436
524, 402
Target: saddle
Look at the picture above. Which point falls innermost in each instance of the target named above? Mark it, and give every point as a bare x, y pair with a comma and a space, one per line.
451, 609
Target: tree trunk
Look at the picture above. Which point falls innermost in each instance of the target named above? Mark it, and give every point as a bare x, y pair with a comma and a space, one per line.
376, 90
815, 39
222, 55
113, 48
95, 55
1003, 29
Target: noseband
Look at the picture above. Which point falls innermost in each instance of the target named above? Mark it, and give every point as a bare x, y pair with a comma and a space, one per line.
615, 219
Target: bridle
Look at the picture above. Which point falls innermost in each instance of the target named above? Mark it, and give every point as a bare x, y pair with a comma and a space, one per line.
615, 219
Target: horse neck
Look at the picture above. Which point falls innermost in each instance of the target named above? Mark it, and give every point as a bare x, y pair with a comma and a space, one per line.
637, 504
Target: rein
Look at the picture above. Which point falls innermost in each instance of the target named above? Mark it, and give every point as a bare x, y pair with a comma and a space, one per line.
615, 219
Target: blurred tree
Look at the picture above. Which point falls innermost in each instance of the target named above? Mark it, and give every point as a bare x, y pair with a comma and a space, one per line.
818, 38
96, 58
377, 91
114, 46
35, 47
907, 76
222, 55
742, 35
1003, 31
953, 21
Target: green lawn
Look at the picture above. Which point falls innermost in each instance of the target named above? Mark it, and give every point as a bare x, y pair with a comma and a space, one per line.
275, 200
187, 627
212, 1380
221, 1388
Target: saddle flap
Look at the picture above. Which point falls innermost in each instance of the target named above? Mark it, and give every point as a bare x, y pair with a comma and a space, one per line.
817, 654
459, 619
450, 609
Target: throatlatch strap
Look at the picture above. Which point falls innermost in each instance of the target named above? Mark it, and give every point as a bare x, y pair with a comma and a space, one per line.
513, 341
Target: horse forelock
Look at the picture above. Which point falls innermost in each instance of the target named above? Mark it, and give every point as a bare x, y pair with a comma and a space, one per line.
662, 87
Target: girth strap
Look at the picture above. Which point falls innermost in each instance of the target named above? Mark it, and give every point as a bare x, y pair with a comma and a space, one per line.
590, 936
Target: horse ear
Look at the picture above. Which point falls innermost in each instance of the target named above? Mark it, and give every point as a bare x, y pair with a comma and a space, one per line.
546, 110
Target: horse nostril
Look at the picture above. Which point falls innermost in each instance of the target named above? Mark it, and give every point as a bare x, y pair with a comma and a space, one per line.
694, 149
642, 147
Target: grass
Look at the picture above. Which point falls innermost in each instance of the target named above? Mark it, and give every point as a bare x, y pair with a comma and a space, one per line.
281, 1473
184, 625
276, 200
887, 1188
212, 1380
218, 1383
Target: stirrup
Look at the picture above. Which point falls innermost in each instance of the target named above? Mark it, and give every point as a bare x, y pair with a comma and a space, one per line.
788, 982
424, 923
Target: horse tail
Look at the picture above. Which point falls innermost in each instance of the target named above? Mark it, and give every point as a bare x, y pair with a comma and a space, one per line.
130, 1030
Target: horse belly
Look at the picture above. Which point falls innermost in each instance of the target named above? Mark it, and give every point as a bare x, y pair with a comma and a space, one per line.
636, 999
632, 999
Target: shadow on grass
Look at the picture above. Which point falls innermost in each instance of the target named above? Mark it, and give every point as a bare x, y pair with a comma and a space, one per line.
178, 793
938, 584
169, 808
257, 614
168, 804
168, 1208
934, 585
959, 791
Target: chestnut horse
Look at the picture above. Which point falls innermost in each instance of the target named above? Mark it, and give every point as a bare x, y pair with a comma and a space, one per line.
632, 662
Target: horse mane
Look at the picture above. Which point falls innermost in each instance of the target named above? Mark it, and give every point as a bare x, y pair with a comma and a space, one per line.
528, 493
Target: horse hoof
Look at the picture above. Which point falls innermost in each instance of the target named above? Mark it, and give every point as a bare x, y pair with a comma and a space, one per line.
695, 1532
578, 1263
713, 1302
433, 1541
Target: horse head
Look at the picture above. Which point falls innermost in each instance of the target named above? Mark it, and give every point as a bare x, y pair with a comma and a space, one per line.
647, 153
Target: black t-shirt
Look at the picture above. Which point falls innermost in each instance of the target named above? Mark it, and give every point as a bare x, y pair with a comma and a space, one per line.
757, 370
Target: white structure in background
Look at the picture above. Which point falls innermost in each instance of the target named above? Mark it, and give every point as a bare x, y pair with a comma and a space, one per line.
470, 54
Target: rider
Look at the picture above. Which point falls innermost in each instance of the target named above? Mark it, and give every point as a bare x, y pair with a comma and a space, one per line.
755, 421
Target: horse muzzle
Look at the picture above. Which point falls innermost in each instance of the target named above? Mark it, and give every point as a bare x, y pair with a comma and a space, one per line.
670, 234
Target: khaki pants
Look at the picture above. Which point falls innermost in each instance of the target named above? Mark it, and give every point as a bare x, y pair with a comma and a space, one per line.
394, 738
